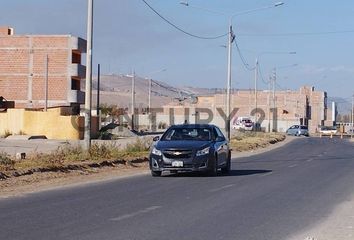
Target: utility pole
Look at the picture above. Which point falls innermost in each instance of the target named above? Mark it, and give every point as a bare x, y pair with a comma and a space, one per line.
98, 96
274, 111
255, 93
133, 100
351, 132
98, 89
228, 97
46, 83
149, 111
269, 87
88, 85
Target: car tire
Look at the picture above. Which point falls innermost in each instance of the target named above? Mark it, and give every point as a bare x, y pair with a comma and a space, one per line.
227, 168
156, 173
213, 167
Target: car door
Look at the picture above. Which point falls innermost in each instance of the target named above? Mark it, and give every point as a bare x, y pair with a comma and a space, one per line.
293, 130
221, 146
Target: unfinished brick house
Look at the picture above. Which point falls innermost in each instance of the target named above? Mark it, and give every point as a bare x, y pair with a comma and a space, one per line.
41, 70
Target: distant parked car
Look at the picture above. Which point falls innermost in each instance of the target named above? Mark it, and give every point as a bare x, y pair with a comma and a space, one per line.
298, 130
244, 123
325, 130
190, 147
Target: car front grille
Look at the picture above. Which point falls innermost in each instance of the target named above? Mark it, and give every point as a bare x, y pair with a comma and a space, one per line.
177, 154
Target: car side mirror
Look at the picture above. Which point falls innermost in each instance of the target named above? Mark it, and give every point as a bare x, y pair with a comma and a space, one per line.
155, 139
219, 139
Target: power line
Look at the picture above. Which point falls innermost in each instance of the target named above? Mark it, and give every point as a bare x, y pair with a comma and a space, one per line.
245, 64
280, 87
180, 29
261, 74
295, 34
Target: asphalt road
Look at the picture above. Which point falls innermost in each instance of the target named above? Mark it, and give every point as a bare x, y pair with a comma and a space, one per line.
267, 196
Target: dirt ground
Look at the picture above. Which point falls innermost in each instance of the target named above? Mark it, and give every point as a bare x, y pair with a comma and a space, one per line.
18, 186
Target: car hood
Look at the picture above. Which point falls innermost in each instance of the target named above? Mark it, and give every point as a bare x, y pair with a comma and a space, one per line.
185, 145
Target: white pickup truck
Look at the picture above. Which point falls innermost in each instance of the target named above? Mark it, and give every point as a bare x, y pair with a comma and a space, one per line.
244, 123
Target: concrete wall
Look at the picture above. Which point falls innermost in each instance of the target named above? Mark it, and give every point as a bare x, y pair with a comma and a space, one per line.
305, 106
51, 124
143, 122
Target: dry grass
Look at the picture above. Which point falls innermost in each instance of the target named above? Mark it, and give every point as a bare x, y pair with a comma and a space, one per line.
245, 141
6, 134
70, 155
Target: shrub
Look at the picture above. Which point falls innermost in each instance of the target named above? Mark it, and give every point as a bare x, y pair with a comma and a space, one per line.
6, 163
162, 125
21, 132
140, 145
7, 133
102, 151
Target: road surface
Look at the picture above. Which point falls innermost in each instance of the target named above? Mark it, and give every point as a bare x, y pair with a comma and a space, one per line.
268, 196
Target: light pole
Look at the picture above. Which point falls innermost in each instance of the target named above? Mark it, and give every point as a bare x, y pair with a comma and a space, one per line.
231, 38
88, 89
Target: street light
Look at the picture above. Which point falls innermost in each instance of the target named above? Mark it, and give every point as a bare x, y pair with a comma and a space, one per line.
256, 70
231, 38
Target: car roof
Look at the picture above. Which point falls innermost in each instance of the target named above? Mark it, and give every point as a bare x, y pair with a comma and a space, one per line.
193, 126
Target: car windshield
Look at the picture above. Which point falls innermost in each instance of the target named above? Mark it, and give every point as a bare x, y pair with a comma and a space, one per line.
304, 127
196, 134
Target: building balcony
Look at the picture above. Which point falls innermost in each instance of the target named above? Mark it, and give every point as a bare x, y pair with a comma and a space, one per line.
78, 44
78, 71
76, 96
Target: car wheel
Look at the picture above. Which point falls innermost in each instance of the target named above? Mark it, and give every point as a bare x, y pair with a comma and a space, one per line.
156, 173
227, 168
213, 167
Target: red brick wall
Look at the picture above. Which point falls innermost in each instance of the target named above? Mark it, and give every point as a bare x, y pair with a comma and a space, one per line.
18, 53
5, 31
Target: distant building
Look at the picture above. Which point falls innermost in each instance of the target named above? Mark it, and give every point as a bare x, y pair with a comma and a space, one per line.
305, 106
23, 61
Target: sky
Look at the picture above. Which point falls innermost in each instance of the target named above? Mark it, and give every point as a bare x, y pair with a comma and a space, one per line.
128, 35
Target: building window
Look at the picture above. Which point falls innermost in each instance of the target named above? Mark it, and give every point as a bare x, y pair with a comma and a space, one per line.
76, 57
75, 84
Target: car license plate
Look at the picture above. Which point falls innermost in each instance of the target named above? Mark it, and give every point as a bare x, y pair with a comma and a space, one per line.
177, 164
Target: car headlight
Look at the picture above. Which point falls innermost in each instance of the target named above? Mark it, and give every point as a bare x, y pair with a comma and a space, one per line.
156, 152
204, 151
